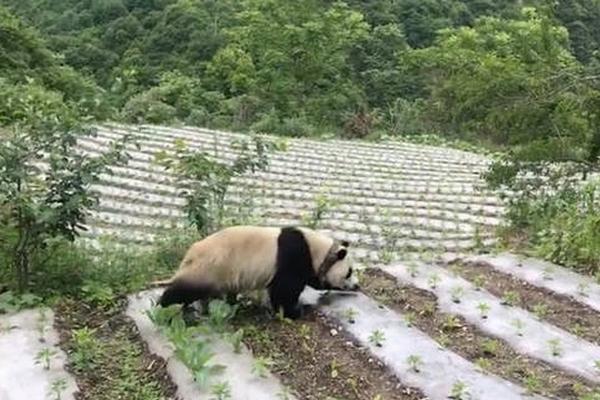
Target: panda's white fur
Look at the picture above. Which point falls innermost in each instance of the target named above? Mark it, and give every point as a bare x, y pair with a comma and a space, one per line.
249, 258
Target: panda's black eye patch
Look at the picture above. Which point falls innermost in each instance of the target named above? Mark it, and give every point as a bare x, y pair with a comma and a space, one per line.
349, 273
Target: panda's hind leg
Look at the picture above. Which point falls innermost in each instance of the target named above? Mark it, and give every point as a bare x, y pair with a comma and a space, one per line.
182, 292
286, 298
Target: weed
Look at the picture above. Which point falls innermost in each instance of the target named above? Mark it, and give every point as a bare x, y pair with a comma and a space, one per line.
221, 391
10, 302
483, 363
350, 315
322, 205
555, 348
433, 280
540, 310
98, 293
377, 338
414, 362
456, 293
483, 308
519, 326
304, 331
451, 322
57, 387
285, 394
532, 383
443, 339
459, 391
577, 329
511, 298
261, 366
86, 348
490, 346
333, 366
597, 365
44, 356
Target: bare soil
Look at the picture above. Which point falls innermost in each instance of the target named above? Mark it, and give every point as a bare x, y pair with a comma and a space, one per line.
318, 360
562, 311
454, 333
122, 366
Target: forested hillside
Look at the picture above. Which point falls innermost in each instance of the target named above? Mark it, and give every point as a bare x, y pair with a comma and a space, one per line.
357, 68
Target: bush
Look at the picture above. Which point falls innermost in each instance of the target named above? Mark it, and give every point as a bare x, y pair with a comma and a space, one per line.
147, 107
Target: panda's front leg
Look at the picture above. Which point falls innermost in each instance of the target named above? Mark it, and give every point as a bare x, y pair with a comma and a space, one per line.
286, 298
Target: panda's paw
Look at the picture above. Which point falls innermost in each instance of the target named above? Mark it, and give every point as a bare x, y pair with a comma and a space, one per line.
293, 312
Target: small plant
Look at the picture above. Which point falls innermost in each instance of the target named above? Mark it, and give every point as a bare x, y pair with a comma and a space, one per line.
236, 340
57, 388
409, 318
532, 383
98, 294
219, 313
433, 280
511, 298
490, 347
583, 288
547, 272
459, 391
540, 310
413, 270
44, 356
483, 308
577, 329
555, 348
350, 315
451, 322
323, 205
304, 331
457, 293
377, 338
221, 391
414, 362
85, 348
483, 364
443, 339
333, 366
285, 394
261, 366
519, 325
597, 365
478, 282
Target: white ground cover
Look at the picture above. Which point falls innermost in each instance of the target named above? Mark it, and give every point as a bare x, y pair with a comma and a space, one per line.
22, 337
521, 329
440, 369
543, 274
244, 384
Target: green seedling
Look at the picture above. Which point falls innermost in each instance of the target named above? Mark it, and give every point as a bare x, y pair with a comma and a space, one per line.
484, 309
457, 293
377, 338
350, 315
433, 280
414, 362
460, 391
333, 366
540, 310
44, 356
547, 272
583, 288
85, 348
577, 329
236, 340
413, 270
511, 298
409, 318
261, 366
519, 325
221, 391
285, 394
57, 388
478, 282
555, 348
597, 365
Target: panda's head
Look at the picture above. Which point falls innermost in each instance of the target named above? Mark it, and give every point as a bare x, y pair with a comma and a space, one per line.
339, 275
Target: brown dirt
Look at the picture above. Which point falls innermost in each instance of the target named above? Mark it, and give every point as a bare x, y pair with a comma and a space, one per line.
563, 311
125, 368
317, 364
456, 334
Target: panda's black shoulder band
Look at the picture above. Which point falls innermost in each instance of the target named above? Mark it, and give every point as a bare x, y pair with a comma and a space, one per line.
328, 262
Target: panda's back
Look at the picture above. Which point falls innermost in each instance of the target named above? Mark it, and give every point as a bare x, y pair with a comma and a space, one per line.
240, 257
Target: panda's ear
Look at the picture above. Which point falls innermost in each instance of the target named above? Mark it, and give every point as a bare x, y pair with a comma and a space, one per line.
341, 254
345, 243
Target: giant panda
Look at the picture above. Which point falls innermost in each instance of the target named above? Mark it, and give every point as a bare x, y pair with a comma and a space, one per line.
249, 258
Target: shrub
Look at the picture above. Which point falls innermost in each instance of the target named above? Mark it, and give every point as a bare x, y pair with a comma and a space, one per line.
148, 107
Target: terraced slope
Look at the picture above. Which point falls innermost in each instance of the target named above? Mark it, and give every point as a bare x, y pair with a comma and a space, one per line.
394, 196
